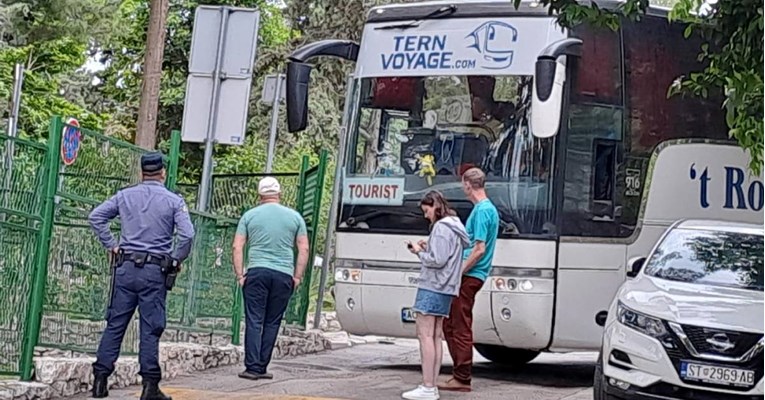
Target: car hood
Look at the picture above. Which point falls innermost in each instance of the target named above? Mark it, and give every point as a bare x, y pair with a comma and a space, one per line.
695, 304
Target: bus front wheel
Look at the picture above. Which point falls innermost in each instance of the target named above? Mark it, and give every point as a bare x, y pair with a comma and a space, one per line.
505, 355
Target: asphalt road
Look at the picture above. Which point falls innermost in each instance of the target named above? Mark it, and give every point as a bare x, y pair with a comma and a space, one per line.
383, 371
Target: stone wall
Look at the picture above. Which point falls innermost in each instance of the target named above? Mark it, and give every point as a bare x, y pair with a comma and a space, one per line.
65, 373
58, 329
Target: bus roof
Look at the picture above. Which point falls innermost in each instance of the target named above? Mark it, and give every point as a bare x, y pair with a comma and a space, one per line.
477, 9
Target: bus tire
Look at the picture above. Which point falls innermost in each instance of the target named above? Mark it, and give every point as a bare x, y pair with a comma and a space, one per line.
506, 356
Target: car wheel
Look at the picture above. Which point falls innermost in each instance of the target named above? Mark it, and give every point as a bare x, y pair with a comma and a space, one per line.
505, 355
599, 382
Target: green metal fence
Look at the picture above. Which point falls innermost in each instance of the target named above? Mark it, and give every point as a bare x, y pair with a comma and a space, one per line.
302, 192
54, 273
309, 205
204, 294
77, 276
233, 194
22, 177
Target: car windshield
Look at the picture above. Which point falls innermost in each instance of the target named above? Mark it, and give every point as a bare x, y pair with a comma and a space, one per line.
422, 133
710, 257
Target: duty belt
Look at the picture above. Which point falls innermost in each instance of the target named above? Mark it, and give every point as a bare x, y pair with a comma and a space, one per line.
140, 258
167, 264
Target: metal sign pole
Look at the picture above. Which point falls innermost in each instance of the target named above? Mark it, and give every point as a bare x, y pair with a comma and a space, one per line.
275, 103
334, 204
207, 165
10, 145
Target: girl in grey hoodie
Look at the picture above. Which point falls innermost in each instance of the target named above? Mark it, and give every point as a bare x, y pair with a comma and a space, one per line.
441, 258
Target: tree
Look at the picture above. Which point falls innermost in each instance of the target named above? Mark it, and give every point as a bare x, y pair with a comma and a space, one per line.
51, 39
146, 135
122, 57
732, 52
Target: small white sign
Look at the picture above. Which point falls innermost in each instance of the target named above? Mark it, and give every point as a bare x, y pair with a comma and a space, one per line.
382, 191
269, 89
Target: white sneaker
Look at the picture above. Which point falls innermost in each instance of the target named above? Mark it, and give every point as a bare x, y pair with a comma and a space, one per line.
422, 393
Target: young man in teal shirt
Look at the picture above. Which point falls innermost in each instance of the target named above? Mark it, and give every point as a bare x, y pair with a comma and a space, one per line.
482, 227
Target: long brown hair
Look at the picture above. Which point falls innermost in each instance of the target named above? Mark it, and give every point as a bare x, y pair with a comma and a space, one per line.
435, 199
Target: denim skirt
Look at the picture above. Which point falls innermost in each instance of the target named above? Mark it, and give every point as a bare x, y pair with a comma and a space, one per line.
428, 302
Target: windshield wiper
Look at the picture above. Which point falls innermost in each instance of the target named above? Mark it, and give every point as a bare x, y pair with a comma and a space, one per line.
353, 220
440, 13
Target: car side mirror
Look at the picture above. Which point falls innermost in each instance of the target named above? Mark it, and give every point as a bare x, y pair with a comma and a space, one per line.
634, 266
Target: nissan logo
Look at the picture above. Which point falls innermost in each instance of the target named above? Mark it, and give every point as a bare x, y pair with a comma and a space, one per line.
721, 342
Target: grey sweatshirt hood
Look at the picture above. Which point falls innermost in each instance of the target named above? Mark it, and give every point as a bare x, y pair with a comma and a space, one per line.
457, 227
441, 270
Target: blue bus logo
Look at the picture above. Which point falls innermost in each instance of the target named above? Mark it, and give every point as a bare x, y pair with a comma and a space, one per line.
495, 40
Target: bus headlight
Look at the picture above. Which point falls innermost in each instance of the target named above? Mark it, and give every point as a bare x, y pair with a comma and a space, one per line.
526, 285
642, 323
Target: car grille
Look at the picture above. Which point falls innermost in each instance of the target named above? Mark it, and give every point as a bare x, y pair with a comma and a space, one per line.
741, 341
677, 352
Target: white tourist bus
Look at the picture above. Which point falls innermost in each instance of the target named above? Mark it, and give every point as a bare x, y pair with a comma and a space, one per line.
588, 161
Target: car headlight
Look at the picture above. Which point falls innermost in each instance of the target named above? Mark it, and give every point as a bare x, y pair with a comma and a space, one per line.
642, 323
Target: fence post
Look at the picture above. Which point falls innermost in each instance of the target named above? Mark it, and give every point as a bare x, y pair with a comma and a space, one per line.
174, 159
236, 314
37, 294
323, 158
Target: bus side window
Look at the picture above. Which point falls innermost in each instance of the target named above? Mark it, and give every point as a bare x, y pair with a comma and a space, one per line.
606, 163
593, 171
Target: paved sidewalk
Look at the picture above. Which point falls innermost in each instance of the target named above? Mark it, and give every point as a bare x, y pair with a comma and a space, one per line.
380, 372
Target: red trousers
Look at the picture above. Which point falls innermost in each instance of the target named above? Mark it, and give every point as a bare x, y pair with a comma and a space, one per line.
458, 329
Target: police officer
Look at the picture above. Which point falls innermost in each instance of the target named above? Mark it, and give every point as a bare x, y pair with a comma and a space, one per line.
148, 213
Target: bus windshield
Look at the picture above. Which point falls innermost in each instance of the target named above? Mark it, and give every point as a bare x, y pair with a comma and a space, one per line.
415, 134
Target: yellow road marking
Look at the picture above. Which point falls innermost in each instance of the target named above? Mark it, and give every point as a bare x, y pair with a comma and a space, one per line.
192, 394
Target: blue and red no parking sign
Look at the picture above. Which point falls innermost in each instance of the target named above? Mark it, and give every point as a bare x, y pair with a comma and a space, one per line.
70, 141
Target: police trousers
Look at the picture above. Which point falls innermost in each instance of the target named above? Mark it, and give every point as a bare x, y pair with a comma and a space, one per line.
144, 288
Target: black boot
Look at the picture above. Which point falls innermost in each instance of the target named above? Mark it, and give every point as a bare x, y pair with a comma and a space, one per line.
151, 391
100, 386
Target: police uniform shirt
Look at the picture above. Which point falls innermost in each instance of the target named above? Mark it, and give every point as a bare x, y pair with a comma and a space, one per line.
148, 214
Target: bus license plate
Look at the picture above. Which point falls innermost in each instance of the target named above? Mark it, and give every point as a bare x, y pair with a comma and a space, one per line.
715, 374
407, 316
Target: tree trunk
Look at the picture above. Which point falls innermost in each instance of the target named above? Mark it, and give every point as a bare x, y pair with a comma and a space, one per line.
146, 132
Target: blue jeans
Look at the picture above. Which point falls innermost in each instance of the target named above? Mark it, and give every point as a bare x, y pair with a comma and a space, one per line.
143, 288
266, 296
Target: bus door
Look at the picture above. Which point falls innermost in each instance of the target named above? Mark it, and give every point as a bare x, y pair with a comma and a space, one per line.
592, 253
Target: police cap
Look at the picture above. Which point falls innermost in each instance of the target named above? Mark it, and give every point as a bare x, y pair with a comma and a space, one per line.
152, 162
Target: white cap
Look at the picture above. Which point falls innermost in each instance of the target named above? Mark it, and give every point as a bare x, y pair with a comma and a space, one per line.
269, 186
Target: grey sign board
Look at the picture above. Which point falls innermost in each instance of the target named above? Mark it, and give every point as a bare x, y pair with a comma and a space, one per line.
269, 89
234, 35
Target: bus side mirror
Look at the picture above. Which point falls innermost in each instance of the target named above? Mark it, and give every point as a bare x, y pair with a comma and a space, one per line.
634, 266
547, 90
298, 75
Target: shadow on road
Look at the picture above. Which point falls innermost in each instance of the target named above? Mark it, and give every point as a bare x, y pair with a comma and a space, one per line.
572, 375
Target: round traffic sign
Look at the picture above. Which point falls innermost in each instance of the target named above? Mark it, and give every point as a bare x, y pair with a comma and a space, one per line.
70, 141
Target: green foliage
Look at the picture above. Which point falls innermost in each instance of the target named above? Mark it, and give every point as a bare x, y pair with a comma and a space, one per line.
26, 22
733, 55
732, 52
52, 84
123, 54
